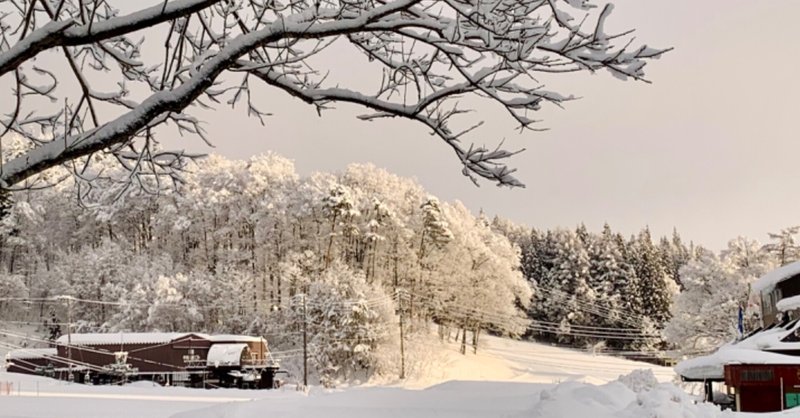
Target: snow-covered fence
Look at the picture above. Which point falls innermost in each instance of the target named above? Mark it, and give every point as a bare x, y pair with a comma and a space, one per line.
15, 389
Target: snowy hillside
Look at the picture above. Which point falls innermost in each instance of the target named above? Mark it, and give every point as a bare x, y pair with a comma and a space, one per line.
505, 377
525, 362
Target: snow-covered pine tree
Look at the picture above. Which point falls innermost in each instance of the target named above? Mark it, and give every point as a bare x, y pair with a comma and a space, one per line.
656, 287
537, 261
680, 256
566, 288
632, 302
583, 234
610, 277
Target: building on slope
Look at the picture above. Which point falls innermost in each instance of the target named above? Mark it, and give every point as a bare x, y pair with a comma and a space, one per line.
185, 359
761, 370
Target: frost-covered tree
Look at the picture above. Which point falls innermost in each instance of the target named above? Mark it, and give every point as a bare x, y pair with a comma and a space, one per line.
172, 308
705, 313
674, 255
345, 321
12, 287
784, 245
565, 291
478, 284
656, 288
433, 52
610, 277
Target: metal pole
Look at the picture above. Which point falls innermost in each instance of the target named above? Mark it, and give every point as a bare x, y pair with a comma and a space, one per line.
402, 346
305, 344
69, 332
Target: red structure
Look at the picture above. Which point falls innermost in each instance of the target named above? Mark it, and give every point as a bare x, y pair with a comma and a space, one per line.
761, 369
36, 361
763, 388
186, 359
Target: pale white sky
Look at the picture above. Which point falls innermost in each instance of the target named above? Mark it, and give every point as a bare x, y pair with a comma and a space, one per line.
709, 148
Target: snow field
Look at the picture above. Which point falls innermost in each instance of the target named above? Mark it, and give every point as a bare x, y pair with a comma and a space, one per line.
505, 378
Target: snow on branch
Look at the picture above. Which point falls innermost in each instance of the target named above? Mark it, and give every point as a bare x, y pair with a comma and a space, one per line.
434, 59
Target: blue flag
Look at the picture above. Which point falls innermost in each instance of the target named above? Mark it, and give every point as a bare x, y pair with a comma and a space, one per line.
741, 321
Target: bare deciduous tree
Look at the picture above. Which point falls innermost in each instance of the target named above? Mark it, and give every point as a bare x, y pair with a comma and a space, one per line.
431, 57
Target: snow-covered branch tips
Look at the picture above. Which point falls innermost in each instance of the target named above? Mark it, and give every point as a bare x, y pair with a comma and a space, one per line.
425, 60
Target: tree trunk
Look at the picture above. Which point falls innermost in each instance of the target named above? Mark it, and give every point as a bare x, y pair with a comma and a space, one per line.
464, 340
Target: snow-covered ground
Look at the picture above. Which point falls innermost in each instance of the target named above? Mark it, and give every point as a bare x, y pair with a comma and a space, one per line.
505, 360
506, 379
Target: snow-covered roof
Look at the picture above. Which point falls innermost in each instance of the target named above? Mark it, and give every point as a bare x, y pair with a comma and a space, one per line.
122, 338
712, 366
30, 353
225, 354
769, 280
788, 304
150, 338
755, 349
232, 338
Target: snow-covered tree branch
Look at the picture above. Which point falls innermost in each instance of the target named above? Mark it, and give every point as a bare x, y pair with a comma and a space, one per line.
429, 58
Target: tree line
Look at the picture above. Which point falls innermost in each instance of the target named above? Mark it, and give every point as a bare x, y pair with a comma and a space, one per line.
591, 288
252, 247
354, 260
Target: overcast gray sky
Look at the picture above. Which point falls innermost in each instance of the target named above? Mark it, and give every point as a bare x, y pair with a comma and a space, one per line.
708, 148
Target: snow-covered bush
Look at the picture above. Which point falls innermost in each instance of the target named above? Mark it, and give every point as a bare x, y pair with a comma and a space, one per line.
11, 286
345, 320
705, 314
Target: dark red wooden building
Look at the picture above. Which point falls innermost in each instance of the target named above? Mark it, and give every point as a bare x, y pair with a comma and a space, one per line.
187, 359
765, 387
760, 371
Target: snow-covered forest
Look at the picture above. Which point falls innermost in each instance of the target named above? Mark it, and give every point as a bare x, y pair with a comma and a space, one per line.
251, 247
354, 259
640, 296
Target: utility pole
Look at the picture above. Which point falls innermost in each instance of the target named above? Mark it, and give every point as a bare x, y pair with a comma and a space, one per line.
69, 335
399, 292
69, 330
402, 339
305, 343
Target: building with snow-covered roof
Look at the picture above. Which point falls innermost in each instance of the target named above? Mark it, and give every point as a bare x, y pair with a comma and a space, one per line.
189, 359
761, 371
780, 293
32, 361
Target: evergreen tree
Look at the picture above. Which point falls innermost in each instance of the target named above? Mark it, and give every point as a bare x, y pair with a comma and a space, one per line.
567, 288
631, 295
609, 278
680, 256
656, 288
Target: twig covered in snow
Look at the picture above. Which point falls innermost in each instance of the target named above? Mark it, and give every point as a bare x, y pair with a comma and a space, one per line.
433, 56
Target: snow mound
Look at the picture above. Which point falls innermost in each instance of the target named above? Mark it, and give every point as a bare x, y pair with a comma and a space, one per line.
639, 380
143, 384
619, 400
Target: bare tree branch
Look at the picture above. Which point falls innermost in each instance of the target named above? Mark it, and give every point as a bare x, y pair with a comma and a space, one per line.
434, 58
